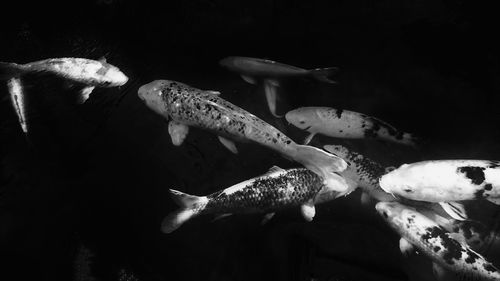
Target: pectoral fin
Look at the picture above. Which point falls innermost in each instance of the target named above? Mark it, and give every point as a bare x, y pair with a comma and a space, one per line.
221, 216
267, 218
308, 211
405, 247
17, 97
309, 138
84, 94
178, 132
270, 88
455, 210
249, 79
228, 144
273, 169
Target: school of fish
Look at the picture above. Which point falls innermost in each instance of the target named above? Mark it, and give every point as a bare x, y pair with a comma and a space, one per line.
423, 202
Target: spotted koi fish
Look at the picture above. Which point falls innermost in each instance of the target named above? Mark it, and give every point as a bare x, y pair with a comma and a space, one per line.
90, 73
184, 106
446, 252
340, 123
445, 181
269, 73
275, 190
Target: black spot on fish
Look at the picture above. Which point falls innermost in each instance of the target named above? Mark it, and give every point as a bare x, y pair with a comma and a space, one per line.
452, 249
436, 248
489, 267
494, 164
471, 257
475, 174
479, 194
338, 112
488, 186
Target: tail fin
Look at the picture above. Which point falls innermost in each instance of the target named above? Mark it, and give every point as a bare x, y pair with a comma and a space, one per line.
190, 206
322, 163
9, 70
322, 74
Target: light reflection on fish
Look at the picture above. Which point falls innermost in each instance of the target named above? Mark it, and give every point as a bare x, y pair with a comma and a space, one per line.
429, 238
275, 190
183, 106
340, 123
269, 73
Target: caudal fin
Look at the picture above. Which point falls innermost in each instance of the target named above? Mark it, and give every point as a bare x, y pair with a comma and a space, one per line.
324, 164
9, 70
323, 74
190, 206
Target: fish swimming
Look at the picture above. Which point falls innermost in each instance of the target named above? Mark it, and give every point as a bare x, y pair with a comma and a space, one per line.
362, 170
418, 231
184, 106
90, 73
445, 180
275, 190
269, 72
340, 123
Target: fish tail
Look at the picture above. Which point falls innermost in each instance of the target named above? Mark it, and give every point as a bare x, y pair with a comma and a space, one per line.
10, 69
324, 164
322, 74
190, 206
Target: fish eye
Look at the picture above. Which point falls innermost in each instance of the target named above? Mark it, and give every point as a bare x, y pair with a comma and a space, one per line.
407, 189
302, 122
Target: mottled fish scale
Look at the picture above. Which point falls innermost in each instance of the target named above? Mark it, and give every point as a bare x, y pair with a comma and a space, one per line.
217, 114
292, 188
435, 242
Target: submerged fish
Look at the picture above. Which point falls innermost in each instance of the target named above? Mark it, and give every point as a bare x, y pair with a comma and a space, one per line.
184, 106
17, 97
340, 123
429, 238
362, 170
269, 72
445, 180
275, 190
90, 73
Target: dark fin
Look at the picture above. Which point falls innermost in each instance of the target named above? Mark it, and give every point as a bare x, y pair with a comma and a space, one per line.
228, 144
190, 206
10, 69
178, 132
455, 210
322, 74
270, 89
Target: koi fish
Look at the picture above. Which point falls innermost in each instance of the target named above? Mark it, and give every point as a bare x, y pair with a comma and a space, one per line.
273, 191
270, 72
338, 123
184, 106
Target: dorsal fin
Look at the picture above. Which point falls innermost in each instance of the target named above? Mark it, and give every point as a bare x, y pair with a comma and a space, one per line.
274, 169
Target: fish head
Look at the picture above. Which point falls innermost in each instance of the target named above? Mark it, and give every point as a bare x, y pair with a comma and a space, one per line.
403, 183
304, 118
154, 94
389, 210
116, 76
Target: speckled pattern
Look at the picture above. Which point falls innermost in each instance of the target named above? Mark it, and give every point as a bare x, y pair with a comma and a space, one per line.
436, 243
266, 194
206, 110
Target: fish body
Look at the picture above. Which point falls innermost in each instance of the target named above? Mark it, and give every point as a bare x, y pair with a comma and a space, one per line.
81, 70
275, 190
445, 180
362, 170
429, 238
184, 106
340, 123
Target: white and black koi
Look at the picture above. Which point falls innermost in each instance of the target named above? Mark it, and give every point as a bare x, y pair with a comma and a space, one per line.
269, 73
340, 123
184, 106
87, 72
445, 180
275, 190
436, 243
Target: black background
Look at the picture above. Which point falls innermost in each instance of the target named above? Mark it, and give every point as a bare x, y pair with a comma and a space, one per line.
98, 174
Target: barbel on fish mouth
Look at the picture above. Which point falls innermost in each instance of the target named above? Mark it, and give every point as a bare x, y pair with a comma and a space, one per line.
184, 106
87, 72
275, 190
445, 180
269, 73
340, 123
418, 231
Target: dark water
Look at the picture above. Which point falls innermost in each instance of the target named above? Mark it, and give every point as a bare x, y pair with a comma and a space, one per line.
98, 174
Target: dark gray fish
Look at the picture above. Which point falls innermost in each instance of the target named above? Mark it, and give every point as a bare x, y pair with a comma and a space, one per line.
275, 190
